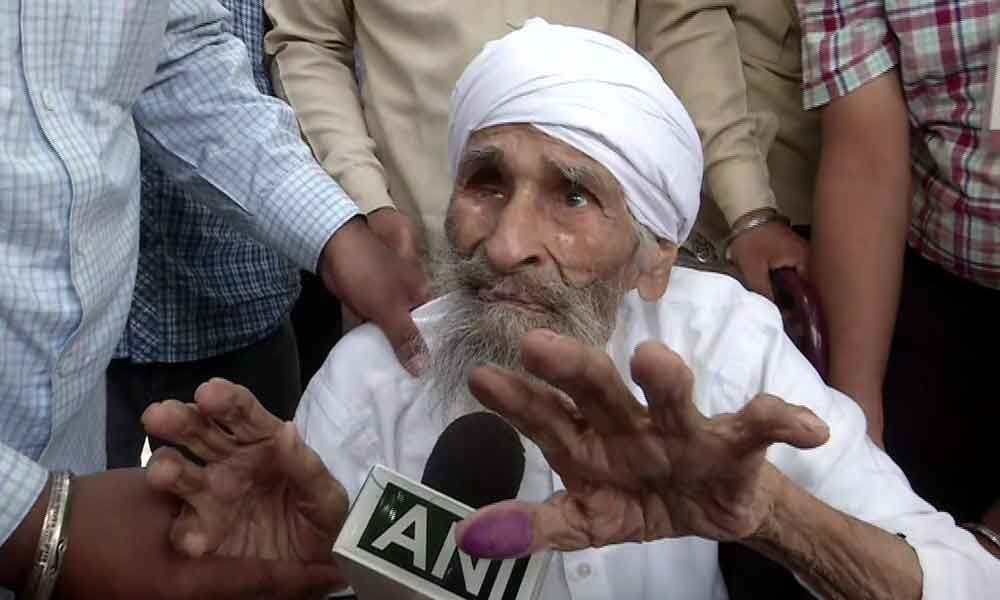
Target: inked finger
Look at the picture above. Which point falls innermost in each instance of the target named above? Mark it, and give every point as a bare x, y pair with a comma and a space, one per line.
669, 387
511, 529
236, 408
183, 424
514, 529
767, 420
586, 375
536, 411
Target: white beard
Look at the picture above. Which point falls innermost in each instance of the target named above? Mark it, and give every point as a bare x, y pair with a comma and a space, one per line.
475, 332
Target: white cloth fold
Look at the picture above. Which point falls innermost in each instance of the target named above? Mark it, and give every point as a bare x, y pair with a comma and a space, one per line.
601, 97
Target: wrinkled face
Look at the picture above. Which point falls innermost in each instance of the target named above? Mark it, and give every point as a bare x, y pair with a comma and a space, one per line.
539, 235
529, 202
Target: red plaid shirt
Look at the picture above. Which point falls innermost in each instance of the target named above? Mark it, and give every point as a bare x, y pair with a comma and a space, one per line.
942, 49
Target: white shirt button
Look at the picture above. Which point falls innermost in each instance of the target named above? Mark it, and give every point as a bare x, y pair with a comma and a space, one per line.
583, 570
49, 99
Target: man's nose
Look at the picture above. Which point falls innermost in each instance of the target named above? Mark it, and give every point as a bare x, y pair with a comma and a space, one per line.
516, 242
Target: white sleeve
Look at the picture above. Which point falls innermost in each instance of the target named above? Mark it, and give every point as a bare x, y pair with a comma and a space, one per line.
854, 476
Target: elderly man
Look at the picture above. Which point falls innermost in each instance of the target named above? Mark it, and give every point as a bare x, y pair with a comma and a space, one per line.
562, 231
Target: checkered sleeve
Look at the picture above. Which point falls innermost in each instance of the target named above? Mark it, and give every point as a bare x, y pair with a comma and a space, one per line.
845, 44
21, 482
207, 125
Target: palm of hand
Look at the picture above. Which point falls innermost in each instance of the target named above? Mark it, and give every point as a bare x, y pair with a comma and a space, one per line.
261, 492
260, 515
634, 473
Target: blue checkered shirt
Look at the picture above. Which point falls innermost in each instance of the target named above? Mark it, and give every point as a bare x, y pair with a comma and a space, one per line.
202, 287
82, 84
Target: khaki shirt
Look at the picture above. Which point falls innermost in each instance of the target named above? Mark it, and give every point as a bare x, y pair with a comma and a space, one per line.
769, 37
370, 83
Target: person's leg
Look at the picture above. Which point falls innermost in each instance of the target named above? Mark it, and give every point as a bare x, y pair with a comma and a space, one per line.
269, 369
940, 403
127, 394
316, 318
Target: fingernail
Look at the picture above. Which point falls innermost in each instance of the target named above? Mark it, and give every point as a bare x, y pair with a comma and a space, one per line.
497, 535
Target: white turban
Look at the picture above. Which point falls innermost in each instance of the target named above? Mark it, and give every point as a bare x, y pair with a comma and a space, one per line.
598, 95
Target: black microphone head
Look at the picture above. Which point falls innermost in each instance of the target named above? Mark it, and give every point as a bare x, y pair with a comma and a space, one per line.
478, 460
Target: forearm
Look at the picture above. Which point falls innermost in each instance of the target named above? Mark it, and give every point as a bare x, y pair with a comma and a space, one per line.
859, 233
675, 34
312, 48
836, 555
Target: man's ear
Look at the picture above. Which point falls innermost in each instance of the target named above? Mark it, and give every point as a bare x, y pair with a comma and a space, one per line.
655, 262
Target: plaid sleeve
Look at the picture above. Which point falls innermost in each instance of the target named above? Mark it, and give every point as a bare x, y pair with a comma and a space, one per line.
845, 44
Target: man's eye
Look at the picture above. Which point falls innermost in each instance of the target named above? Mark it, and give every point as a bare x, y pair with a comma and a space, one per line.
577, 199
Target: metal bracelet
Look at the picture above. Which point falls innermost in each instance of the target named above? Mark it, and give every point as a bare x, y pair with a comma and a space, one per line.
984, 531
754, 219
52, 540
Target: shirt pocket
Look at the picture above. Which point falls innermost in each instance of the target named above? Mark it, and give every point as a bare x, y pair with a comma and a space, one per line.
596, 16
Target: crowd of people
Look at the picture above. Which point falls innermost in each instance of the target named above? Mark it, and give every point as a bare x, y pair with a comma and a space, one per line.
565, 212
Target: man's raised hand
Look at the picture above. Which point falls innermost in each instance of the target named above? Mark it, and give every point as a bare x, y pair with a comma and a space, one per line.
631, 473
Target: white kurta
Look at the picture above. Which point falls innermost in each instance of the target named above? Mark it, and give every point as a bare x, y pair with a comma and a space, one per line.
362, 408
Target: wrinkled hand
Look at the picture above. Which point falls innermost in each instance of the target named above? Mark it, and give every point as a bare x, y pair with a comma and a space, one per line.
262, 492
767, 248
398, 232
375, 283
631, 473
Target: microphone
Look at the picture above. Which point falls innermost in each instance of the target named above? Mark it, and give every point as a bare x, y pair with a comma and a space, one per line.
399, 537
478, 460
